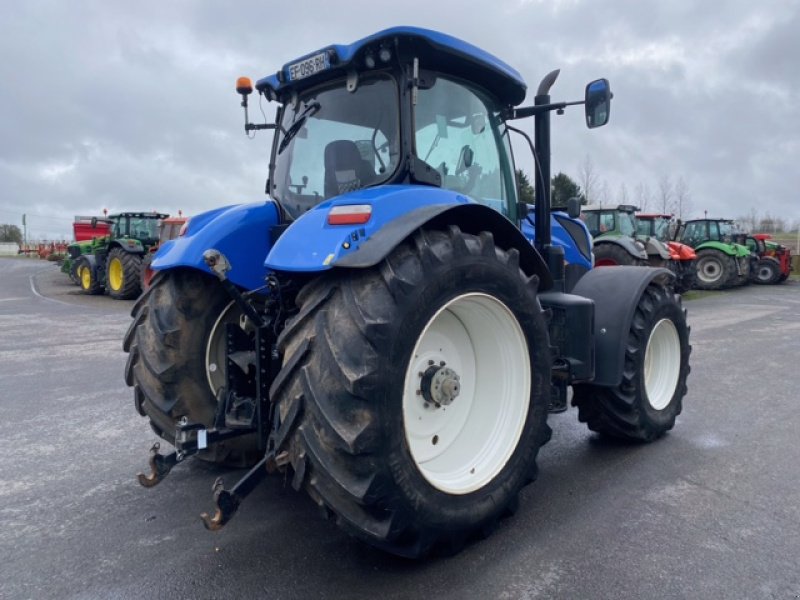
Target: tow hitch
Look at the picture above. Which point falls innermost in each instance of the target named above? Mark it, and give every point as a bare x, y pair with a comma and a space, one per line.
190, 438
243, 406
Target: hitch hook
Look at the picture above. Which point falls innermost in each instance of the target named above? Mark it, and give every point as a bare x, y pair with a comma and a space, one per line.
160, 466
227, 502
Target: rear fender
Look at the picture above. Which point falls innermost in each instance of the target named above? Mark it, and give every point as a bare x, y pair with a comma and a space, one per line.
616, 293
311, 244
628, 244
729, 249
128, 245
241, 232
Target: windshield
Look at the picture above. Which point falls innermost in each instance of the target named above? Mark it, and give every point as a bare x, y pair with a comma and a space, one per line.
661, 229
333, 141
627, 224
725, 229
657, 227
140, 228
459, 132
644, 226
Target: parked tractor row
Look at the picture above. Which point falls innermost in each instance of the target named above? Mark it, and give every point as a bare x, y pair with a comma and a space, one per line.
391, 328
111, 254
705, 254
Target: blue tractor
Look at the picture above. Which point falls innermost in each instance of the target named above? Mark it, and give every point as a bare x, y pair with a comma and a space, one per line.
391, 328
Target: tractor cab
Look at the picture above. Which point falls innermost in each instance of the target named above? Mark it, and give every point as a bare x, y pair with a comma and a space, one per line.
404, 106
654, 225
393, 109
139, 226
618, 220
697, 231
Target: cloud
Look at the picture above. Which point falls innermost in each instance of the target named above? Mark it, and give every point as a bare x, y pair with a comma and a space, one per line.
131, 106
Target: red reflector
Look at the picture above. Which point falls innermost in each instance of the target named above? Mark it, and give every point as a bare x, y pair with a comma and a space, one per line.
355, 214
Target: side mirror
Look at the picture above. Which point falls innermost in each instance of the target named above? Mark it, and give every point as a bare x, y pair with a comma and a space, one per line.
598, 103
574, 207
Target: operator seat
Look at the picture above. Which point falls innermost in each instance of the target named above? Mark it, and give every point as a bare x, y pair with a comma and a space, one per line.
345, 169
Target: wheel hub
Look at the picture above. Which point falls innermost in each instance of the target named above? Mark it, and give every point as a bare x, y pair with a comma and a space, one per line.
439, 385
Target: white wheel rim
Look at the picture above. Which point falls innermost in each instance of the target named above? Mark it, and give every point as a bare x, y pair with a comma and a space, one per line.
461, 447
216, 347
662, 364
710, 270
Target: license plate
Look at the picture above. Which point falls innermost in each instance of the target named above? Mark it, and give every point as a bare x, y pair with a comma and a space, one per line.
309, 66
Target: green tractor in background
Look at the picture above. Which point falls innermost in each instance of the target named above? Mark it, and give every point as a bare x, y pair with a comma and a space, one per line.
88, 233
720, 261
114, 263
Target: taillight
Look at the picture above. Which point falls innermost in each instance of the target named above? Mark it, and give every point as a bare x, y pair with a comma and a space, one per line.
353, 214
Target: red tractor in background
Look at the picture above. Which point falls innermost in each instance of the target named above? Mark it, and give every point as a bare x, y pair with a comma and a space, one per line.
774, 260
682, 257
168, 229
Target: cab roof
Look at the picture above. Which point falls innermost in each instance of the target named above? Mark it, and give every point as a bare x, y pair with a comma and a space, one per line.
609, 207
436, 52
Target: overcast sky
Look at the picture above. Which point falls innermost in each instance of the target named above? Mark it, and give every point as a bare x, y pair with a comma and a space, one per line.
131, 105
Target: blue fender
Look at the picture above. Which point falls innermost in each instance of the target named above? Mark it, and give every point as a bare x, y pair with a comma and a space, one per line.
241, 232
311, 244
571, 234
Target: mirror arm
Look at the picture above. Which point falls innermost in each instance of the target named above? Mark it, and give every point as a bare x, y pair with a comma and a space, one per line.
530, 111
258, 126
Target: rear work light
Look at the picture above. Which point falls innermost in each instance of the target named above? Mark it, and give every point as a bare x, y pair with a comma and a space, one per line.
354, 214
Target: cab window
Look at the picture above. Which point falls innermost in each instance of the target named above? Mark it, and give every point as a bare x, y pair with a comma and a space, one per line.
459, 133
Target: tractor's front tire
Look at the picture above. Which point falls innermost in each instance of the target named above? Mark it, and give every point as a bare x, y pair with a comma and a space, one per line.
176, 358
87, 277
767, 272
650, 396
714, 269
422, 387
123, 274
74, 277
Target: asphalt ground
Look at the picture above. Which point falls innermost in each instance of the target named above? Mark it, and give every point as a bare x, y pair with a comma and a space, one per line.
712, 510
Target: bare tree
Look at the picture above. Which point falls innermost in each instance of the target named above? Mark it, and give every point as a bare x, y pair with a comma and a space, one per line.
767, 224
683, 200
623, 194
604, 193
588, 179
642, 196
750, 221
665, 195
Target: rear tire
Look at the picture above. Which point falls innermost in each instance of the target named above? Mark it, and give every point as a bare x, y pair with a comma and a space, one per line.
714, 269
367, 352
123, 274
611, 255
168, 346
650, 396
